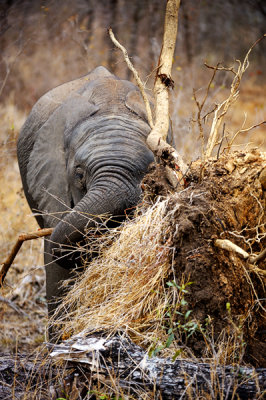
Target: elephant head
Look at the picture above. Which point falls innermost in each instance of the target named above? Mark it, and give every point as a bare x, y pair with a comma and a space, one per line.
82, 154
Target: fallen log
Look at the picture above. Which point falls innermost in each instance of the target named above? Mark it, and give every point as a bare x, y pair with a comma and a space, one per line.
80, 364
22, 375
118, 359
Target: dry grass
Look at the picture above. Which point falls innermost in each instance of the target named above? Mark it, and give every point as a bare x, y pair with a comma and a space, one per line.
125, 287
24, 288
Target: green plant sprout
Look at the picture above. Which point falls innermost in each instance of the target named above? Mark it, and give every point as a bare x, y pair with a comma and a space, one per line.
177, 320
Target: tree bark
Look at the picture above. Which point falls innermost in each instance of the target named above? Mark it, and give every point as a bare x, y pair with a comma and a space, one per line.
176, 168
122, 364
120, 359
21, 376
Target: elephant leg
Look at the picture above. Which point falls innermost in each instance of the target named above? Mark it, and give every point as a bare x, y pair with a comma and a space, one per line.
55, 274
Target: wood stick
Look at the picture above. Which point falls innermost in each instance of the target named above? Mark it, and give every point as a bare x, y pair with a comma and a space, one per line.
22, 238
226, 244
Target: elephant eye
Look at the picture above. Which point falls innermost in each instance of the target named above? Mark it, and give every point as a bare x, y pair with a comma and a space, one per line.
79, 173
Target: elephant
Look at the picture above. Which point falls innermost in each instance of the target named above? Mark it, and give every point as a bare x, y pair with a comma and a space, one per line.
82, 153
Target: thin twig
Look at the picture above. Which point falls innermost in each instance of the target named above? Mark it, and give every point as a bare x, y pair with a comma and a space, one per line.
22, 238
220, 145
217, 68
223, 107
136, 76
200, 108
245, 130
13, 305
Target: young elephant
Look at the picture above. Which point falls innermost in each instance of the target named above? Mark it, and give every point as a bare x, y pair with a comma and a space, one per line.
82, 153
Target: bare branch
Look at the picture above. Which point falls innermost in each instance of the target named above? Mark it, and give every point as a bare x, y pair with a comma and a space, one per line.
223, 107
136, 76
244, 130
22, 238
200, 108
163, 76
217, 68
157, 137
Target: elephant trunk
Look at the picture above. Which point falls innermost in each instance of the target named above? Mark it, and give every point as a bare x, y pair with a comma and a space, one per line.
110, 198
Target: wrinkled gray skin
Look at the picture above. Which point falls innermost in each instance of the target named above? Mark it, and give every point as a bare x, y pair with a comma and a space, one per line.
82, 152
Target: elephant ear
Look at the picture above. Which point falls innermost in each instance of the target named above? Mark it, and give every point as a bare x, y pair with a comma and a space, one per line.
46, 170
53, 99
98, 72
135, 103
43, 110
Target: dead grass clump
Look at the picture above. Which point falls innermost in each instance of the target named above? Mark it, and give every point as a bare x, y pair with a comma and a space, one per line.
124, 288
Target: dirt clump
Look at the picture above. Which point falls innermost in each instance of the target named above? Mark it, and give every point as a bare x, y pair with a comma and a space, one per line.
224, 199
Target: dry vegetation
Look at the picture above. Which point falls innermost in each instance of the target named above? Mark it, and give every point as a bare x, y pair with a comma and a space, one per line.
25, 282
139, 283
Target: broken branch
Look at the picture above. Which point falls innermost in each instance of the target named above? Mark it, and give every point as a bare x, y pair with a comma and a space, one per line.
226, 244
22, 238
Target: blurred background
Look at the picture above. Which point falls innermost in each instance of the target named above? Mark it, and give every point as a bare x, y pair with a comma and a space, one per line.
46, 43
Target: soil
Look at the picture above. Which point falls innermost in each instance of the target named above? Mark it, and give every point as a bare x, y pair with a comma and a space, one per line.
224, 199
